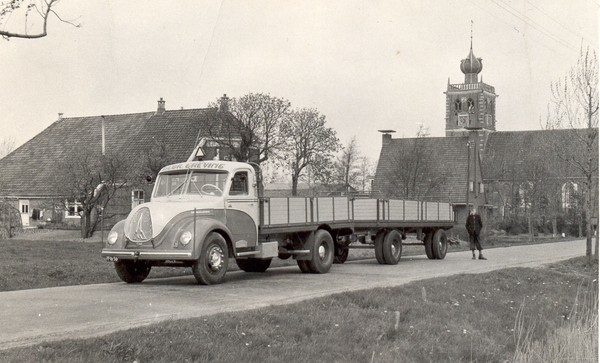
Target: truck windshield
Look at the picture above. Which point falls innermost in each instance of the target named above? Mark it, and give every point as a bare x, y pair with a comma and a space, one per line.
192, 182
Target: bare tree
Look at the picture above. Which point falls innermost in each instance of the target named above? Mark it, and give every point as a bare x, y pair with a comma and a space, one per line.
309, 142
411, 176
30, 15
7, 146
255, 131
92, 181
366, 168
347, 165
574, 107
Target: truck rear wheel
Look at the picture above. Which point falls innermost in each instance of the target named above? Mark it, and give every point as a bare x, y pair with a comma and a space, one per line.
132, 271
428, 243
211, 267
439, 244
392, 247
379, 247
253, 264
322, 252
341, 253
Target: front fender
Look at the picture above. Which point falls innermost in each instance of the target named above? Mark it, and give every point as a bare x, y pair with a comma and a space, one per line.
206, 226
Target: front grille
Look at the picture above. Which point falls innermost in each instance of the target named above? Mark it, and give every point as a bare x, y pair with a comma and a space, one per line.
139, 226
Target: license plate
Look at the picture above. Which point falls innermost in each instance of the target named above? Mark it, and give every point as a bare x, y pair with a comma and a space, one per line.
112, 258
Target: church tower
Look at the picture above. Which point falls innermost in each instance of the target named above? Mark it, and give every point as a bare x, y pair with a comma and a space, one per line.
470, 105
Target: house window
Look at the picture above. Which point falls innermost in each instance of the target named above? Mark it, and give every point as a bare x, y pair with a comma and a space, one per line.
481, 188
25, 208
137, 198
471, 186
73, 210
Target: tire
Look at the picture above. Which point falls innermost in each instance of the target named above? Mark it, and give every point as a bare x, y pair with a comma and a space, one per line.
132, 271
439, 245
341, 254
211, 267
253, 264
392, 247
428, 243
379, 247
323, 250
303, 264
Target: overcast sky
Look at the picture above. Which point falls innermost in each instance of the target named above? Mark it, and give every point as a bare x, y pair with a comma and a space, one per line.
365, 65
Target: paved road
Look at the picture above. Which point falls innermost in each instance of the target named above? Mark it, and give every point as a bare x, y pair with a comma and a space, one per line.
33, 316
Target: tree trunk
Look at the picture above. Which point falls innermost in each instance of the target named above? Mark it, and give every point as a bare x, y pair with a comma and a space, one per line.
554, 227
86, 219
530, 226
294, 184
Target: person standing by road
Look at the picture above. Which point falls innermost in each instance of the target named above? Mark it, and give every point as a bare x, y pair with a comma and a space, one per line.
474, 226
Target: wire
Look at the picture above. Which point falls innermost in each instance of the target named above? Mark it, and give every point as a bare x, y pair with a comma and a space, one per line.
569, 30
534, 24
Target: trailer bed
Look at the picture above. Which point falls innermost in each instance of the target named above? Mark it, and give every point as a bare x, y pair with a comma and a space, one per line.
293, 214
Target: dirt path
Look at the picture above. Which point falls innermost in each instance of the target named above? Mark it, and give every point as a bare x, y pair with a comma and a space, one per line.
32, 316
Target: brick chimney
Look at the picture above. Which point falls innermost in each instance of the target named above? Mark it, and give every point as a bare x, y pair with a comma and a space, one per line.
387, 136
161, 107
224, 103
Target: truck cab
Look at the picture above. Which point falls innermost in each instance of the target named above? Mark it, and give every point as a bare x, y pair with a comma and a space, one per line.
192, 204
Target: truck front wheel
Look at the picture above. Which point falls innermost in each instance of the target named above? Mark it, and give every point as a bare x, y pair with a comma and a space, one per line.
211, 267
132, 271
322, 252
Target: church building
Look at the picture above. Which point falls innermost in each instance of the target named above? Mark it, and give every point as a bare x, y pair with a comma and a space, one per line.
503, 174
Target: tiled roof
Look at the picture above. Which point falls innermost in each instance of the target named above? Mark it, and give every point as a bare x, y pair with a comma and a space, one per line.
448, 159
28, 170
509, 155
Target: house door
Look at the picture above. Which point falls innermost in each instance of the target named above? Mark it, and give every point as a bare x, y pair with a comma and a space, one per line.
24, 208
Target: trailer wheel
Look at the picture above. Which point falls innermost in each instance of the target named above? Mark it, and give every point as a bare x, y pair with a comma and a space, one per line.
253, 264
132, 271
428, 243
379, 247
211, 267
322, 252
439, 244
392, 247
341, 253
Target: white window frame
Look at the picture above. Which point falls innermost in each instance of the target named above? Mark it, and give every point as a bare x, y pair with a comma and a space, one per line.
77, 209
135, 201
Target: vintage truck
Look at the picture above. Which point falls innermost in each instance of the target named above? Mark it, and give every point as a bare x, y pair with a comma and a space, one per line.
202, 214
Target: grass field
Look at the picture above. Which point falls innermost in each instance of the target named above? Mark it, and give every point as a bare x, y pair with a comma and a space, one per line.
512, 315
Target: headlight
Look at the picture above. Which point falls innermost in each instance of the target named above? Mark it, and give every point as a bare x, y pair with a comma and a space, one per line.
185, 238
112, 238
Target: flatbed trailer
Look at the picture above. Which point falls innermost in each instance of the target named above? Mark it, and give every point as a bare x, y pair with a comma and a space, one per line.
202, 214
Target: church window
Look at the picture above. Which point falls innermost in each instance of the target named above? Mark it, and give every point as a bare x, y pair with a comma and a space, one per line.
471, 105
569, 194
457, 105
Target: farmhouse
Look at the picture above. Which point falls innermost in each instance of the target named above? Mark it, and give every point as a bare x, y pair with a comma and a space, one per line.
158, 137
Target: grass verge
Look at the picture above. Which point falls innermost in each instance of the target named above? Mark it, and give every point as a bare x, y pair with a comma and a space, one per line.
463, 318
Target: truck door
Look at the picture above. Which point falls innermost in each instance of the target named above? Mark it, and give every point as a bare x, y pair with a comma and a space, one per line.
241, 206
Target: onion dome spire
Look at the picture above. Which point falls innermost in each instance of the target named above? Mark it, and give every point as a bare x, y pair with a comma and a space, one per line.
471, 66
